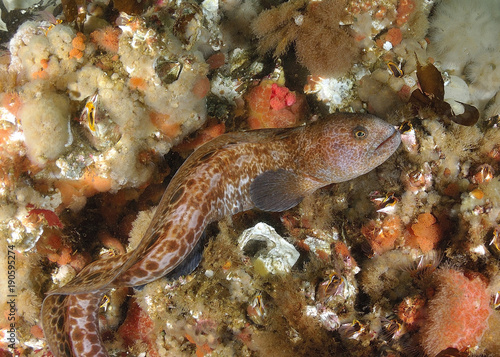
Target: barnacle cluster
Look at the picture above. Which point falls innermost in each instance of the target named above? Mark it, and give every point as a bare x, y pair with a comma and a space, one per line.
98, 101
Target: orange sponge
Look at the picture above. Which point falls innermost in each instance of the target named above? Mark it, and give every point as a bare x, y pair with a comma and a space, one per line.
425, 233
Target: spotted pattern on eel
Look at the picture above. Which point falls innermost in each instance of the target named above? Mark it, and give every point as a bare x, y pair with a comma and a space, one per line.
271, 169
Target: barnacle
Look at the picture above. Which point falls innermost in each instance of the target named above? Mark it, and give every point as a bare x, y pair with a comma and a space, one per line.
395, 69
167, 70
483, 173
75, 10
334, 285
187, 24
256, 309
410, 310
494, 243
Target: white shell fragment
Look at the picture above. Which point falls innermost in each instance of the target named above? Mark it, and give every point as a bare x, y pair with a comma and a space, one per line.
456, 91
318, 245
271, 253
328, 318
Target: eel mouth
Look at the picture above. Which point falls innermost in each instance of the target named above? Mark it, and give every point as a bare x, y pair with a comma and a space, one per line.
389, 140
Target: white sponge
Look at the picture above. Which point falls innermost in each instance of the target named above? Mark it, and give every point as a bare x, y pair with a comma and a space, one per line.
45, 123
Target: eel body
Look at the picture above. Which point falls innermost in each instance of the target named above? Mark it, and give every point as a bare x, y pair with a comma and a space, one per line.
271, 169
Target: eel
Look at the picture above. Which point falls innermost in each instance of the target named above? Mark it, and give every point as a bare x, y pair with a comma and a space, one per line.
268, 169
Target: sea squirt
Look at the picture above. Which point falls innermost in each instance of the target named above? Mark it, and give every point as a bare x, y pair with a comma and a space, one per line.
271, 169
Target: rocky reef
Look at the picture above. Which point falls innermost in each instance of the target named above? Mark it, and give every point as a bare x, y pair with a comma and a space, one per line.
101, 101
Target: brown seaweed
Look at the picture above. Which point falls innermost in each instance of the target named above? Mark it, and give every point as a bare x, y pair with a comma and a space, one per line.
469, 117
75, 11
430, 94
132, 7
430, 80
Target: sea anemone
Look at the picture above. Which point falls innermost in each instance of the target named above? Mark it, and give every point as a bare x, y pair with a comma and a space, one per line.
476, 53
457, 313
107, 38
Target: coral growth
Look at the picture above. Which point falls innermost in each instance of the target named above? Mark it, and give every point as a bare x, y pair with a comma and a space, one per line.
61, 60
322, 45
278, 27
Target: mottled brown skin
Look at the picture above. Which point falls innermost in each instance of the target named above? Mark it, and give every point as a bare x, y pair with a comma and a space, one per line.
271, 169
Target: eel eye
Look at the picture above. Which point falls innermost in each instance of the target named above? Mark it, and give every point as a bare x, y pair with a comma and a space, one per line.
360, 132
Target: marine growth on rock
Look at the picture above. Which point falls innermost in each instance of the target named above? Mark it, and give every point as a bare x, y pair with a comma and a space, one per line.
102, 102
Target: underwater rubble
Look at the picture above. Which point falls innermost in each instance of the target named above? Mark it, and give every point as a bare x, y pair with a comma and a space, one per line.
101, 102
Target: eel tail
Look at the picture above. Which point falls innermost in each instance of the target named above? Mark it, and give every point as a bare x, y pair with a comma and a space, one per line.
71, 325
